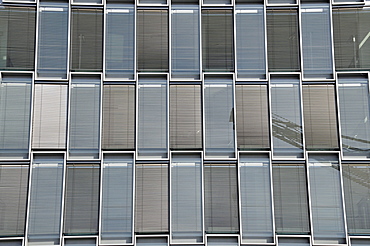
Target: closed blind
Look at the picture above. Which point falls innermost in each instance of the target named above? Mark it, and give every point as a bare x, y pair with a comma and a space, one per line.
87, 40
252, 120
13, 199
17, 46
320, 117
118, 117
185, 117
152, 40
49, 116
81, 209
220, 198
151, 201
217, 40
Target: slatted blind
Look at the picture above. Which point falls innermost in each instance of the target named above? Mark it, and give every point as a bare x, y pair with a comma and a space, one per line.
290, 199
17, 47
152, 40
252, 119
118, 117
282, 40
151, 201
217, 40
185, 117
49, 116
320, 117
87, 40
220, 198
81, 211
13, 199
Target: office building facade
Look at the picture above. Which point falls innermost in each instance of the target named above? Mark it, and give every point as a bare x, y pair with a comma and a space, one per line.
189, 123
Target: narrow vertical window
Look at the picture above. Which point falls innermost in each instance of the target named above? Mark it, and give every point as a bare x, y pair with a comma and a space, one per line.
15, 114
87, 40
119, 43
52, 40
84, 125
152, 40
217, 40
185, 41
219, 117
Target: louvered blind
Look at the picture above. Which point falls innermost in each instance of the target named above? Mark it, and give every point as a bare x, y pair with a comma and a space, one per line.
152, 40
282, 40
217, 40
320, 117
13, 199
87, 40
185, 117
17, 48
151, 201
290, 199
81, 211
49, 116
118, 117
252, 119
220, 198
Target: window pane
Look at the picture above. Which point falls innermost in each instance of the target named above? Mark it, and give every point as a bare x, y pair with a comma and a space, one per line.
250, 41
152, 40
186, 198
252, 119
84, 129
52, 40
15, 114
222, 241
152, 117
119, 43
49, 116
294, 241
87, 40
219, 116
118, 117
221, 199
286, 117
117, 199
80, 242
217, 40
185, 117
256, 200
316, 40
17, 41
185, 41
282, 40
46, 199
151, 241
354, 115
13, 199
81, 199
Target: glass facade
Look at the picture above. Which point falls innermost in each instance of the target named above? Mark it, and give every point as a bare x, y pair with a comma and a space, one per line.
184, 123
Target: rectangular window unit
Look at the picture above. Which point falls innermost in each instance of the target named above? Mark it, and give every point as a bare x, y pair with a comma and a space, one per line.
250, 41
252, 117
117, 199
217, 40
256, 198
87, 40
353, 93
118, 117
120, 41
224, 241
84, 122
320, 117
152, 40
81, 210
11, 243
359, 242
80, 242
282, 40
294, 241
49, 116
185, 33
15, 115
52, 40
151, 241
185, 117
